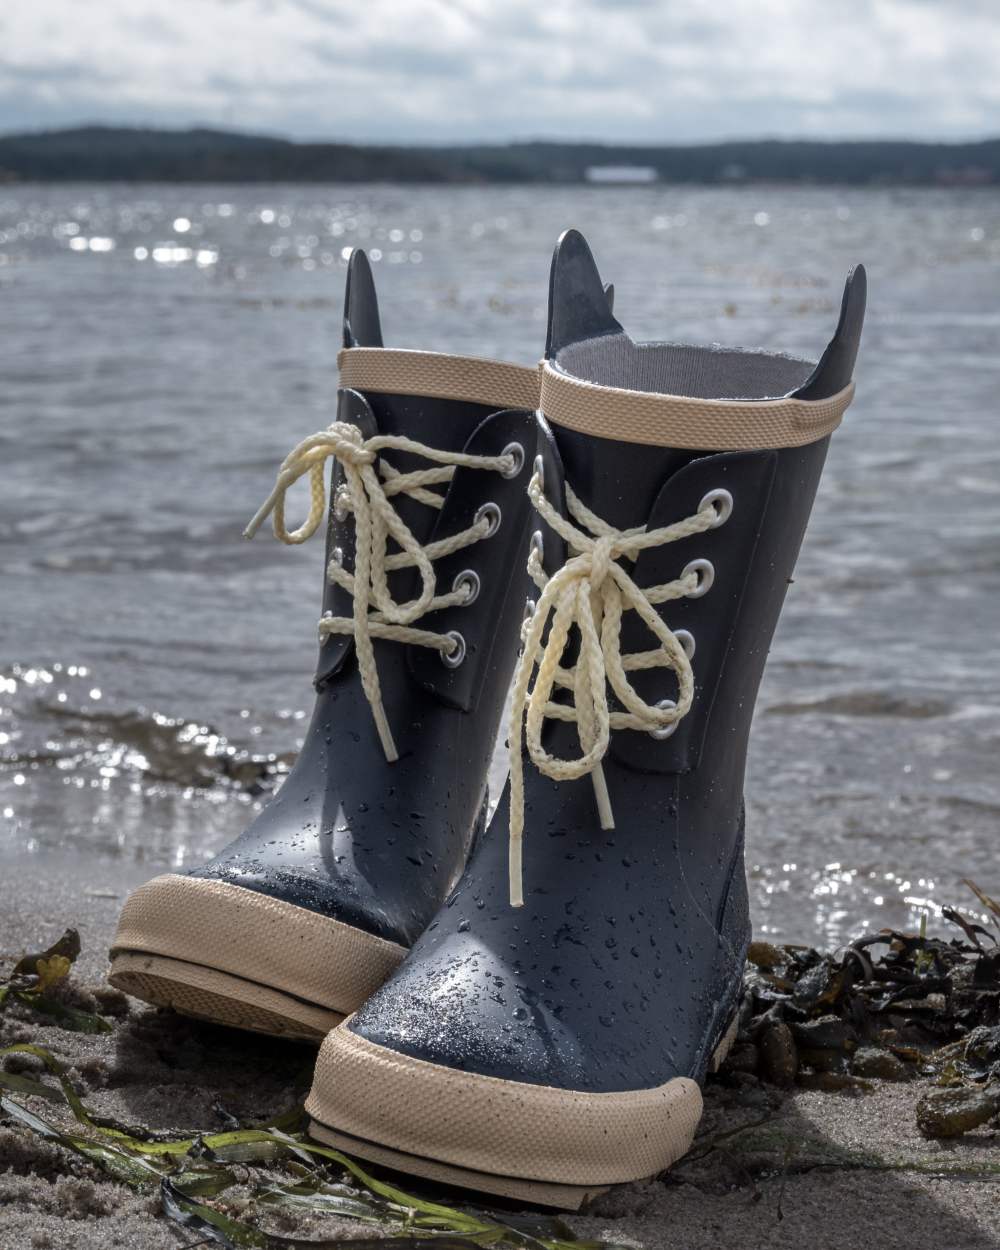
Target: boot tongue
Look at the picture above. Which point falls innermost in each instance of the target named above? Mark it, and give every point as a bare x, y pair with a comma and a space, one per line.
619, 481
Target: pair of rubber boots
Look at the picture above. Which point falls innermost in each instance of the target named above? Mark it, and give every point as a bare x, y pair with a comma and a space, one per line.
619, 526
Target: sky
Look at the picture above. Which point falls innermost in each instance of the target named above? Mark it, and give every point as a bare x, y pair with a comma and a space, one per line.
657, 71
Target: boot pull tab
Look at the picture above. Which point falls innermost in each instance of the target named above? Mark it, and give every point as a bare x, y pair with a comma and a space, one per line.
362, 327
836, 365
580, 306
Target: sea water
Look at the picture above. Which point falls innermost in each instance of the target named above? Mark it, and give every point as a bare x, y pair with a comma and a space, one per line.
162, 348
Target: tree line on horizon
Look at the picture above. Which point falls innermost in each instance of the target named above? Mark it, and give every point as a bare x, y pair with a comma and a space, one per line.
103, 153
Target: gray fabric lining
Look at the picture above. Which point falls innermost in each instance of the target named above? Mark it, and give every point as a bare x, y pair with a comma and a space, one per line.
676, 369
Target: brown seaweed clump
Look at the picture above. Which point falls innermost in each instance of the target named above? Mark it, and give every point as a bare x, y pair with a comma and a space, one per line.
890, 1006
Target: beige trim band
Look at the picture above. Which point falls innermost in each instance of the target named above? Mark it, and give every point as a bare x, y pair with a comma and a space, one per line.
600, 411
394, 371
506, 1128
255, 937
681, 421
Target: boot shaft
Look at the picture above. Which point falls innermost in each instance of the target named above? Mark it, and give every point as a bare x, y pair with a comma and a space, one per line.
419, 636
451, 404
296, 921
645, 434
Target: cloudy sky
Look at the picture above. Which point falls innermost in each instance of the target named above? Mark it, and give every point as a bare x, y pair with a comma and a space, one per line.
436, 70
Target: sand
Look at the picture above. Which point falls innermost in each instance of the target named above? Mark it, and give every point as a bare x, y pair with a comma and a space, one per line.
809, 1170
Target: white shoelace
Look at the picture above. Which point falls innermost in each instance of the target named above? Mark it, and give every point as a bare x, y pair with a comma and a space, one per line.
366, 494
591, 591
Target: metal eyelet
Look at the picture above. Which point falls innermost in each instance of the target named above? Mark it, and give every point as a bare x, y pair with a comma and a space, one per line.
529, 609
665, 731
686, 639
722, 501
539, 472
706, 576
453, 658
341, 498
337, 557
537, 544
491, 510
470, 579
516, 453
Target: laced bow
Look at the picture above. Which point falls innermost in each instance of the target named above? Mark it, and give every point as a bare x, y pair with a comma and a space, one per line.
369, 484
591, 592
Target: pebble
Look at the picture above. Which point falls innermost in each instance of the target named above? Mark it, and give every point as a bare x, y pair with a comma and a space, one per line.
951, 1112
766, 956
826, 1033
823, 1060
744, 1057
882, 1064
779, 1059
983, 1045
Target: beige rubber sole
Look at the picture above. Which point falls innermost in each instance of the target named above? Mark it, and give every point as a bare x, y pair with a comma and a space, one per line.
205, 994
532, 1193
532, 1143
222, 953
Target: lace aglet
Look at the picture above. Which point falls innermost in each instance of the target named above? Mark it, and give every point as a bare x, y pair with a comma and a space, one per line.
260, 516
516, 873
604, 812
385, 737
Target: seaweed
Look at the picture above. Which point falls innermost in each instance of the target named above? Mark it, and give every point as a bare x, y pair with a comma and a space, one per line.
280, 1167
888, 1006
37, 980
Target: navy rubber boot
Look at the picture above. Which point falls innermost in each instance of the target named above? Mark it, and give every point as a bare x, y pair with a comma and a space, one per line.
545, 1051
296, 922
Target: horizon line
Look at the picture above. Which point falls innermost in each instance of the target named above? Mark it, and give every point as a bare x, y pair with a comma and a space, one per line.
516, 141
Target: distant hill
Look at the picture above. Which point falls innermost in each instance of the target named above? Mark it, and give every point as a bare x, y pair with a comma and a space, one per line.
101, 153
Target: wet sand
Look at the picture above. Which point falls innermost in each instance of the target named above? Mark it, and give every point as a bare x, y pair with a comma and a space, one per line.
770, 1168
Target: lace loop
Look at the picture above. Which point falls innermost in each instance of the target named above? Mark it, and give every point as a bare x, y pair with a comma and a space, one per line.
369, 484
591, 592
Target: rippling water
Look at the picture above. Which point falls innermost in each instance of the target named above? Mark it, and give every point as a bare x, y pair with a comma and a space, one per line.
162, 348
